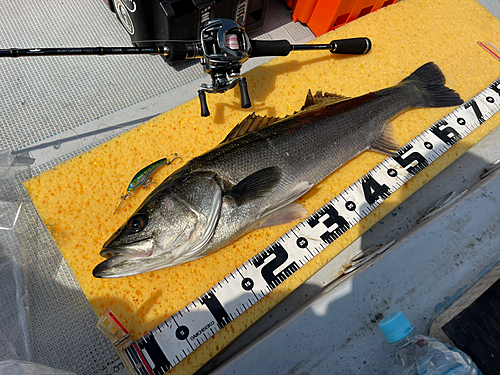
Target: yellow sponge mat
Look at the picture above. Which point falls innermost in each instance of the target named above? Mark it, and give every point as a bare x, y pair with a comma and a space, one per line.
76, 200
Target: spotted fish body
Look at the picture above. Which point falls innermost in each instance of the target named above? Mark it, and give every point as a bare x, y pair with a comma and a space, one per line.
253, 177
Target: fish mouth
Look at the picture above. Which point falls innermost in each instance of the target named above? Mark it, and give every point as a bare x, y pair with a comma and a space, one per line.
116, 266
138, 249
124, 260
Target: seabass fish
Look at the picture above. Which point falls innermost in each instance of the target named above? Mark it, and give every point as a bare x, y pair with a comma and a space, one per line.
253, 177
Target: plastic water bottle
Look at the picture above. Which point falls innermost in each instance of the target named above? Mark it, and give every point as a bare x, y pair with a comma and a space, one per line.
422, 355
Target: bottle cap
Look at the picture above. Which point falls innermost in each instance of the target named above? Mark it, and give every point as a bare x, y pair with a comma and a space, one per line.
395, 326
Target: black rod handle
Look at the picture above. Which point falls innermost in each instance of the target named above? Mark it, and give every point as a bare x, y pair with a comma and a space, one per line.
270, 48
353, 46
245, 98
203, 104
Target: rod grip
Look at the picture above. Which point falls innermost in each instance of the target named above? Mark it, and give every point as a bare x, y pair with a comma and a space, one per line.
270, 48
352, 46
177, 51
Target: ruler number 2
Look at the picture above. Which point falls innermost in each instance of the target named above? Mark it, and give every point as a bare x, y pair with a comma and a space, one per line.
280, 257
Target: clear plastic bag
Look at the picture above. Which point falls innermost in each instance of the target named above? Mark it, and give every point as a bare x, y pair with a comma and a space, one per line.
9, 166
14, 333
15, 367
6, 160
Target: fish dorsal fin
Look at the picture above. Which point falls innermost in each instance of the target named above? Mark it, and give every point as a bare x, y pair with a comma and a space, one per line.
309, 100
249, 124
322, 99
385, 143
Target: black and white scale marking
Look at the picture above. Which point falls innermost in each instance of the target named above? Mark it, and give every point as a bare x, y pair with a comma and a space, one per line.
173, 340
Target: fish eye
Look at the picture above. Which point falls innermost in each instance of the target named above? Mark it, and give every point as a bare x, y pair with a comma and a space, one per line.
137, 223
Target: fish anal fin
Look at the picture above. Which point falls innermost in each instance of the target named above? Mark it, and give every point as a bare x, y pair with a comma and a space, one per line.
256, 185
249, 124
286, 214
386, 143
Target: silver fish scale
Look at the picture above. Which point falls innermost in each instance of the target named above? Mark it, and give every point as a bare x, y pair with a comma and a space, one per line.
307, 147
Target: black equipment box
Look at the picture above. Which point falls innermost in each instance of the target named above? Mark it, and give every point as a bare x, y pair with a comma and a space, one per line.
150, 22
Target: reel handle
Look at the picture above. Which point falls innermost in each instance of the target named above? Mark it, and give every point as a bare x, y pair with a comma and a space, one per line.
203, 103
245, 98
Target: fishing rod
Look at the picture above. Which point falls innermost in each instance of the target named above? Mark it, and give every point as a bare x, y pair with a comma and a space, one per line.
223, 48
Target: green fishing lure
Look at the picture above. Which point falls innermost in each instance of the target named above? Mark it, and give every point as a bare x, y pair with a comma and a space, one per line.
144, 177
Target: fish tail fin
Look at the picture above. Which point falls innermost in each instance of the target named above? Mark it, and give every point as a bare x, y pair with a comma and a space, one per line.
430, 83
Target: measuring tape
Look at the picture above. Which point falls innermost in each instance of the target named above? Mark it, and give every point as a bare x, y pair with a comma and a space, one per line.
177, 337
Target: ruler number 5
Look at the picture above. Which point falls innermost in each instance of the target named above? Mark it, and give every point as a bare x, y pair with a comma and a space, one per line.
415, 156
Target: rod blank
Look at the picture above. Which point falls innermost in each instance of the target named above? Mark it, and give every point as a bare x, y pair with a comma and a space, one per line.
84, 51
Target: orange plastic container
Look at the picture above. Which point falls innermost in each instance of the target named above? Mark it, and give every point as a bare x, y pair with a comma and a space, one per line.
302, 9
324, 15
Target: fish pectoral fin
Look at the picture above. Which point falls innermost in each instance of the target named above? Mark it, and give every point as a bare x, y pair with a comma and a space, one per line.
286, 214
256, 185
321, 99
249, 124
385, 143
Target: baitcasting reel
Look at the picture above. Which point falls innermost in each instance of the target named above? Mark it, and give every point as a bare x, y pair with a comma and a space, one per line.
223, 48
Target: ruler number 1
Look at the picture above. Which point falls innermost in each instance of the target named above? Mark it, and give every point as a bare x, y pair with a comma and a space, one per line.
215, 307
